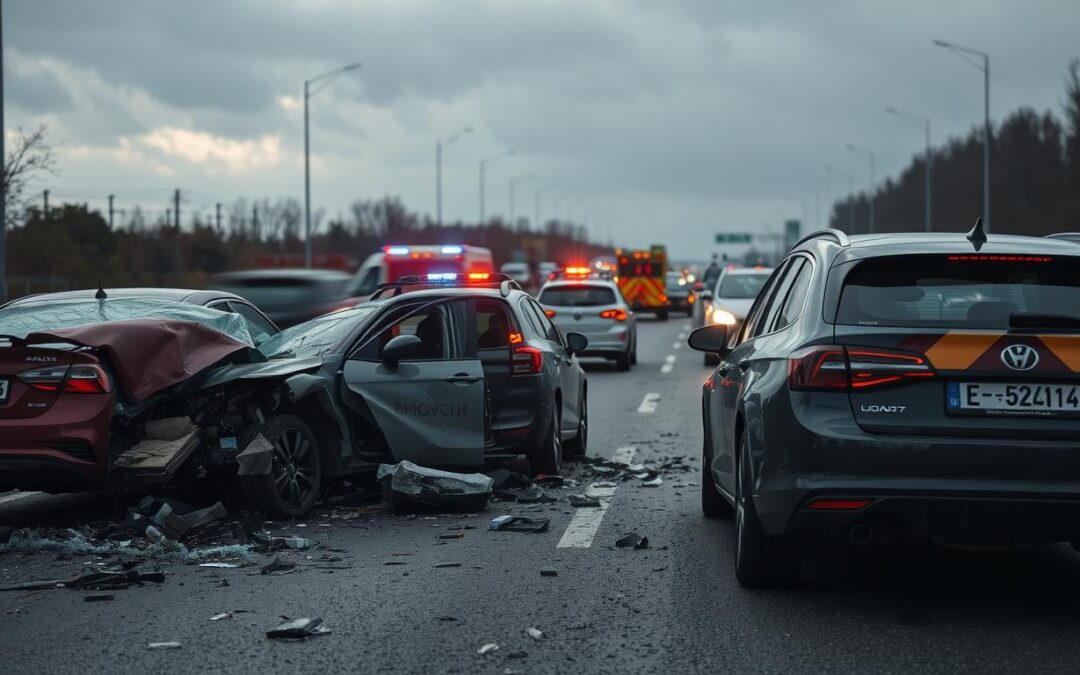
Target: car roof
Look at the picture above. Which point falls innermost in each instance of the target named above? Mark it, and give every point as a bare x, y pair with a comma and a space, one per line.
598, 283
187, 295
900, 243
739, 271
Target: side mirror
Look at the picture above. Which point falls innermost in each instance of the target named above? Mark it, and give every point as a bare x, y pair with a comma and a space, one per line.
576, 343
401, 347
710, 339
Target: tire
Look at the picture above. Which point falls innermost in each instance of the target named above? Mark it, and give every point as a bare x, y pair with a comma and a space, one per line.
547, 458
713, 504
761, 560
579, 446
633, 352
662, 314
295, 479
622, 362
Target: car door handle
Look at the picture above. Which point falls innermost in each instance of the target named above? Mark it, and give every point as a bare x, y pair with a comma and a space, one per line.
463, 378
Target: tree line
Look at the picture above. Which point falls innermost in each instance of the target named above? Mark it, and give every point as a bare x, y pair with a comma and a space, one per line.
1034, 178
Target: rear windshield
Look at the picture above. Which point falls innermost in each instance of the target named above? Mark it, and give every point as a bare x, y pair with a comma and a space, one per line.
963, 291
741, 286
577, 296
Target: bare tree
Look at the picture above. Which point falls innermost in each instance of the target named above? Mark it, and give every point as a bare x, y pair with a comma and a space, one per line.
29, 157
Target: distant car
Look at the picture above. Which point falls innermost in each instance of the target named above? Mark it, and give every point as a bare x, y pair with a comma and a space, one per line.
680, 293
288, 296
896, 386
596, 309
259, 325
546, 269
731, 298
519, 272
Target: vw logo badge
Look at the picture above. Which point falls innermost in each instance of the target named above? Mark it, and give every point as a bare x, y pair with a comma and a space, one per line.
1020, 357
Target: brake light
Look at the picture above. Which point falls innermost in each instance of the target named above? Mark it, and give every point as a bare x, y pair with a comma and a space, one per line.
515, 338
837, 504
550, 313
87, 379
526, 360
479, 276
838, 368
577, 271
617, 314
45, 379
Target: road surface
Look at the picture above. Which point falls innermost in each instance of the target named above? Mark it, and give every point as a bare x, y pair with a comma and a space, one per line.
671, 608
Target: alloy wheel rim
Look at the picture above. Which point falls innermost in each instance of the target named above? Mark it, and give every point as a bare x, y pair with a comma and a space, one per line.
294, 467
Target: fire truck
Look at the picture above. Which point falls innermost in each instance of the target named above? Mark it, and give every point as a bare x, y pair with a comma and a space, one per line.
642, 276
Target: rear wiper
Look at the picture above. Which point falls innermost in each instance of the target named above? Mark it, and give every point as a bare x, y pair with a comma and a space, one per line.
1033, 320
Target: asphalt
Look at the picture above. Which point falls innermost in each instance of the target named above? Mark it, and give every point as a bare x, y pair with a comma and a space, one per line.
673, 607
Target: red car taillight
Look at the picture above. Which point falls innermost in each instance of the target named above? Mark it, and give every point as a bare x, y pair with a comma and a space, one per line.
526, 360
837, 368
78, 379
617, 314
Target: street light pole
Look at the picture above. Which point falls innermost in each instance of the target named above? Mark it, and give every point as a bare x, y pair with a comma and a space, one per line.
483, 167
924, 122
324, 79
985, 68
512, 186
873, 182
441, 143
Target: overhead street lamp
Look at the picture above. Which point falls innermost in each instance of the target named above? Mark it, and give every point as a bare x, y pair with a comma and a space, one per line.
483, 167
441, 143
323, 81
967, 53
923, 122
873, 183
851, 195
513, 183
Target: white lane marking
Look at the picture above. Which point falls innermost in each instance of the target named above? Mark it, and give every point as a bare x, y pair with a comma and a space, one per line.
648, 404
686, 326
586, 521
682, 336
669, 364
676, 345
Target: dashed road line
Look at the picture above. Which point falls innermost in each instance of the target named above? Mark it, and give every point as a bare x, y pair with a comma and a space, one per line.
669, 365
682, 336
586, 521
649, 403
676, 345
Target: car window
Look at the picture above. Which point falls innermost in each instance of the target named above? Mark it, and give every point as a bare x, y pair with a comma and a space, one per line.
741, 286
549, 330
258, 325
493, 325
577, 296
760, 305
429, 321
793, 303
776, 297
532, 324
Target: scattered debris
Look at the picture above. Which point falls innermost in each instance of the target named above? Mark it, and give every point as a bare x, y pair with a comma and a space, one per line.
154, 459
446, 618
655, 482
455, 535
222, 615
519, 524
277, 567
298, 629
633, 540
584, 501
447, 564
163, 645
409, 487
220, 565
535, 633
487, 649
101, 597
505, 478
106, 579
549, 573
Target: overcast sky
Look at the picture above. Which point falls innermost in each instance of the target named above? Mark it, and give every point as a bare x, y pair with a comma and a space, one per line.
659, 121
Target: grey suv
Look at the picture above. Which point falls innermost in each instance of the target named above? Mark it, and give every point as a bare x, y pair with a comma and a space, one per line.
898, 385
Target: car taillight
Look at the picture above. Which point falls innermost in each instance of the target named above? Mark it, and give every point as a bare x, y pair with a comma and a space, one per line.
45, 379
79, 379
617, 314
550, 313
87, 379
838, 368
526, 360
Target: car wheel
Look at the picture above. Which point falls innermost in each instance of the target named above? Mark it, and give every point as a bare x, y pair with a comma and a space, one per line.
295, 478
633, 352
547, 458
662, 315
579, 446
713, 504
761, 560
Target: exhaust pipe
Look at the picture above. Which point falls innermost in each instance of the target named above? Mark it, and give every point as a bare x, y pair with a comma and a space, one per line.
861, 534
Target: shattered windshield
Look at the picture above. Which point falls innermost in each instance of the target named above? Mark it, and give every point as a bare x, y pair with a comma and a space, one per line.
21, 320
316, 337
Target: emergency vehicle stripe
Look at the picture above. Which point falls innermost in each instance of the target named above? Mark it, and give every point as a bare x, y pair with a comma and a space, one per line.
961, 351
1066, 348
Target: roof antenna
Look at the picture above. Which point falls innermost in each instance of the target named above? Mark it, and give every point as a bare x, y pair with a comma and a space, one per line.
977, 236
101, 294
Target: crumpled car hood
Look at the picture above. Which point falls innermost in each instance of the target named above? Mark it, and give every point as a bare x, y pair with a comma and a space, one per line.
149, 355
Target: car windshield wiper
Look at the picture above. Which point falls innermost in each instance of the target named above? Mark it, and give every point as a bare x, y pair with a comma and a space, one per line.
1033, 320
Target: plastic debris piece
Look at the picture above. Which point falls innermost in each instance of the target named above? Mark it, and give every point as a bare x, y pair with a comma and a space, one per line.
100, 597
519, 524
447, 564
298, 543
154, 535
298, 629
408, 487
220, 565
505, 478
549, 573
222, 615
633, 540
655, 482
604, 484
635, 468
163, 645
277, 567
535, 633
584, 501
533, 495
487, 649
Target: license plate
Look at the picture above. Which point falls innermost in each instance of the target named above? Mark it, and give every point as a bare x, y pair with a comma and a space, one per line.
1014, 399
4, 385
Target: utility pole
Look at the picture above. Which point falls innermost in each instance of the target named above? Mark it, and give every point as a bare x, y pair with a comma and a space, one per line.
255, 220
217, 217
176, 210
46, 196
111, 197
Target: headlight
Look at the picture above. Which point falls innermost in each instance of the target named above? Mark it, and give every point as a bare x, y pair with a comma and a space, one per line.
722, 317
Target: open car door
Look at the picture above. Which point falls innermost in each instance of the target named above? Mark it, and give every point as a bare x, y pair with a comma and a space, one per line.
429, 404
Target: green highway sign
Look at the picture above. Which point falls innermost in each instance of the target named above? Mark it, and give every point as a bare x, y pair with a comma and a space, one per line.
734, 237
